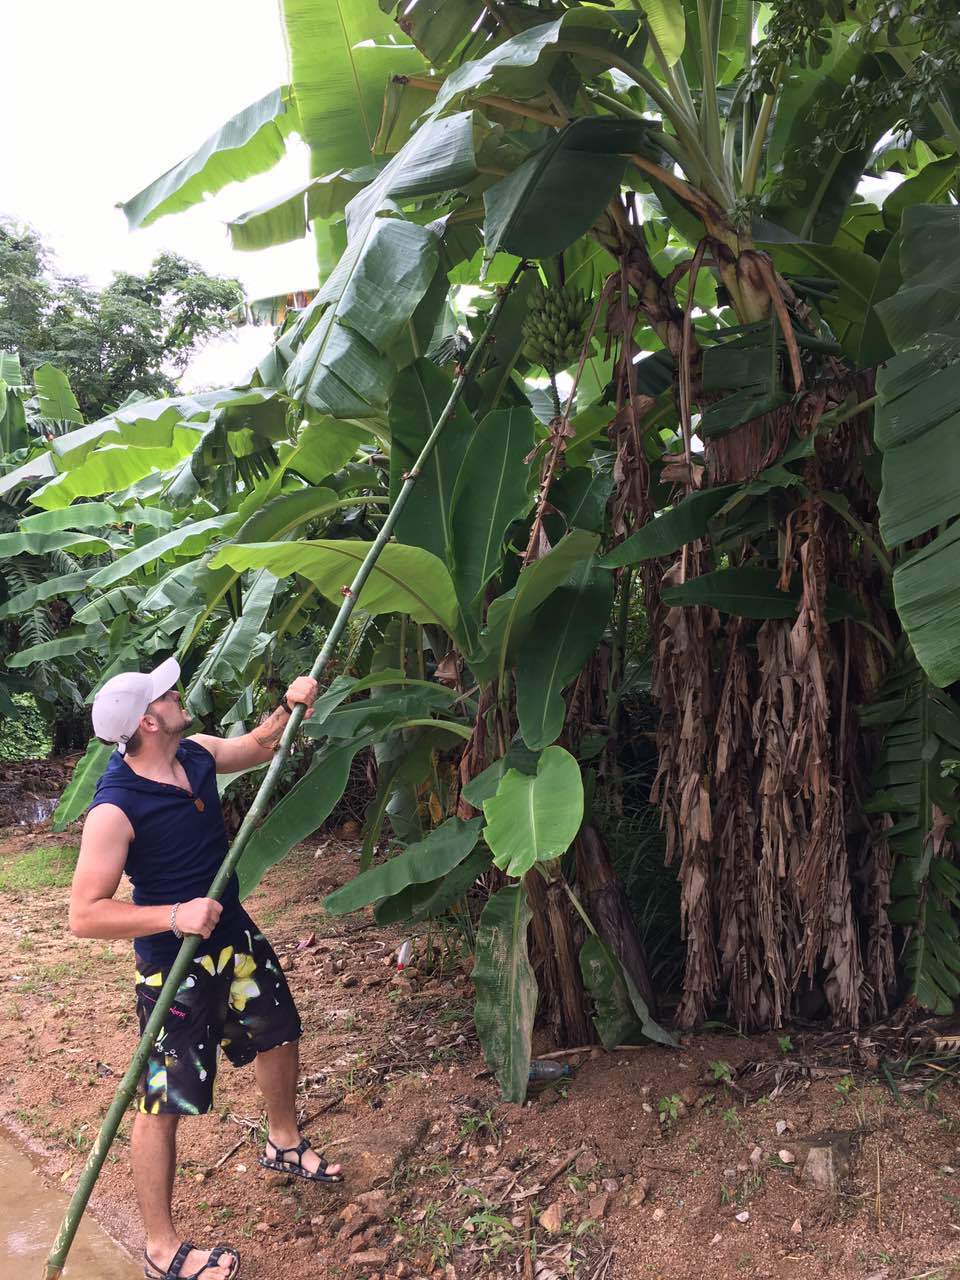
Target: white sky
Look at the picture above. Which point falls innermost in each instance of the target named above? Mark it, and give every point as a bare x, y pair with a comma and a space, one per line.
98, 99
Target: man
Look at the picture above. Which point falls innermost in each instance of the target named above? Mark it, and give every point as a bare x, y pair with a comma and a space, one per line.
156, 816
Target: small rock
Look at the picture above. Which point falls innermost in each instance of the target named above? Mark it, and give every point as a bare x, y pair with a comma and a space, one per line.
756, 1155
717, 1238
348, 1212
374, 1202
349, 980
367, 1260
782, 1127
610, 1185
828, 1161
730, 1177
743, 1216
262, 1228
586, 1161
648, 1110
279, 1179
641, 1190
287, 964
402, 1270
597, 1208
658, 1215
552, 1219
690, 1096
355, 1226
786, 1156
796, 1227
318, 1220
303, 1244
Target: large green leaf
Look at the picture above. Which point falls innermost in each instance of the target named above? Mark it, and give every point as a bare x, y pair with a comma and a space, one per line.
668, 26
65, 646
288, 217
419, 398
916, 421
491, 492
521, 67
535, 819
341, 56
337, 355
855, 273
668, 532
751, 592
567, 630
428, 859
39, 544
427, 901
187, 540
83, 783
66, 584
613, 1014
921, 731
926, 589
928, 301
556, 195
812, 104
249, 143
404, 579
506, 990
57, 401
237, 646
509, 615
304, 808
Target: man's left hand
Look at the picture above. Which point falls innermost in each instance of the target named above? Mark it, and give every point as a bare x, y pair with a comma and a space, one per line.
304, 689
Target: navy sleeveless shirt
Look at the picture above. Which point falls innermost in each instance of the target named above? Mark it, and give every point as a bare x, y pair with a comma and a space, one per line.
179, 841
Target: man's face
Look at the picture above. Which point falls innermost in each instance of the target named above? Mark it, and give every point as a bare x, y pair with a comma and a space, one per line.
169, 714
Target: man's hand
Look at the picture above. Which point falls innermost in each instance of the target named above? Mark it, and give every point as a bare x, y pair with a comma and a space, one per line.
235, 754
199, 915
304, 689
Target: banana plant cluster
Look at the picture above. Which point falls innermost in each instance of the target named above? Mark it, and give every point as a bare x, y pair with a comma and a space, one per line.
726, 383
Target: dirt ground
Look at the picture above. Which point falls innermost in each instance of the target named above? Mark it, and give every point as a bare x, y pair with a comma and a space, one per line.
646, 1163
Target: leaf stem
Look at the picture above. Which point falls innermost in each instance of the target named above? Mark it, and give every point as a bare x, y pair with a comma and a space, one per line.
755, 154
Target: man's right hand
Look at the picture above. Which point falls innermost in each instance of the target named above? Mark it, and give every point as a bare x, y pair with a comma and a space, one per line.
200, 915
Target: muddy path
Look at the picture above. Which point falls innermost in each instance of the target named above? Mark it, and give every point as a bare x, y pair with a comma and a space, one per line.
650, 1163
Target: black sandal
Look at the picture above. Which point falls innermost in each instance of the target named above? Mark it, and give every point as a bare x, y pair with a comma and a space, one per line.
175, 1270
281, 1164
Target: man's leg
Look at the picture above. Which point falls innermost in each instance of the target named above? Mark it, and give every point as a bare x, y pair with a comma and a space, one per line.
277, 1071
153, 1147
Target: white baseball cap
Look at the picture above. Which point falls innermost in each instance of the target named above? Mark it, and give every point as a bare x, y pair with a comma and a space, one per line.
121, 702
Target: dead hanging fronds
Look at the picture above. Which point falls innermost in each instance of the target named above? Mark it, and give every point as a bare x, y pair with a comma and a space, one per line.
683, 685
751, 998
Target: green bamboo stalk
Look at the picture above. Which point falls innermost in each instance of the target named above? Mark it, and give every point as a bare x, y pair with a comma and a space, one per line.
57, 1257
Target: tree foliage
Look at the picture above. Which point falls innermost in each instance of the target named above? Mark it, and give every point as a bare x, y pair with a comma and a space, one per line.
710, 435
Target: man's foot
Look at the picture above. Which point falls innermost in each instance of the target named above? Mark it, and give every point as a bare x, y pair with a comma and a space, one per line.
299, 1158
183, 1260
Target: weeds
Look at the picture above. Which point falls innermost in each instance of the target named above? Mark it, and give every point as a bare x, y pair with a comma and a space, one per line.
48, 867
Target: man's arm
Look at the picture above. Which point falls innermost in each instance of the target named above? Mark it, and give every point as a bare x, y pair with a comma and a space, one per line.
256, 747
94, 913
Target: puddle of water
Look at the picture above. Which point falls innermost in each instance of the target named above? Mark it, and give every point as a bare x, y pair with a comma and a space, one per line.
30, 1214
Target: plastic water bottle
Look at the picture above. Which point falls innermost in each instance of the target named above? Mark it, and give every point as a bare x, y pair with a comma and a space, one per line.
544, 1071
403, 955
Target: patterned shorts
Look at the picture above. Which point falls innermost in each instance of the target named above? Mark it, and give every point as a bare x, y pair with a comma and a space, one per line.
236, 999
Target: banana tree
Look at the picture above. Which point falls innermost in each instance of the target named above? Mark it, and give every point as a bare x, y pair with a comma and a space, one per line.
683, 404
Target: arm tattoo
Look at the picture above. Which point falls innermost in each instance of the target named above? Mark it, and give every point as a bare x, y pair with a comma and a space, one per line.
268, 734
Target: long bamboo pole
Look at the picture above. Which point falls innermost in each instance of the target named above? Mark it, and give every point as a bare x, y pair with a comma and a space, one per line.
178, 970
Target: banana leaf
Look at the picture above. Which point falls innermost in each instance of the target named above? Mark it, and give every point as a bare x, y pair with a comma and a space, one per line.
535, 818
427, 860
506, 990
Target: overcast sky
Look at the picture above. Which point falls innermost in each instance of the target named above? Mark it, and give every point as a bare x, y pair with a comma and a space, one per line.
99, 99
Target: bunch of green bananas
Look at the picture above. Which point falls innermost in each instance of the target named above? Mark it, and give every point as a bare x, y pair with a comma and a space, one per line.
555, 327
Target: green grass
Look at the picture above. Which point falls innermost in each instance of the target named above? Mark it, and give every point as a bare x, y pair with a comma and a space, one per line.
50, 866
